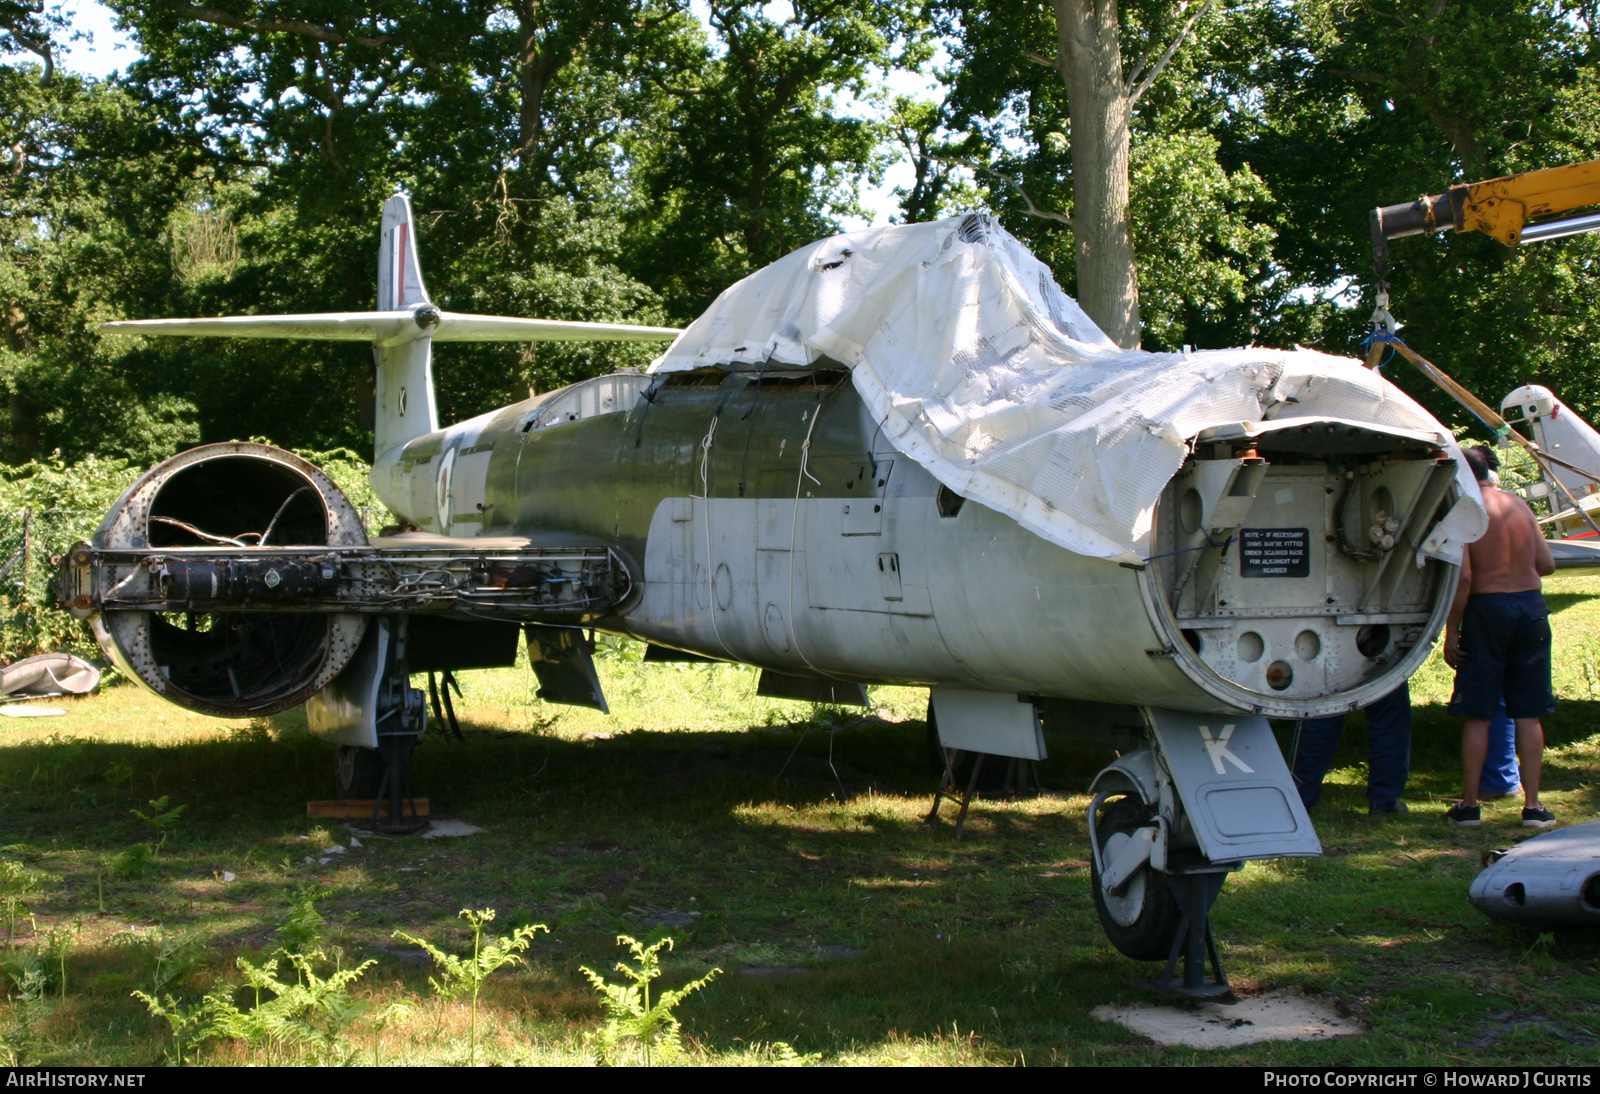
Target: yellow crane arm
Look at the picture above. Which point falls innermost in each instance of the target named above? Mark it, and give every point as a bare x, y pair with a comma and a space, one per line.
1499, 207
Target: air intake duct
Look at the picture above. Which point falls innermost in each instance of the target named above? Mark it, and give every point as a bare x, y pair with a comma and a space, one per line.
228, 663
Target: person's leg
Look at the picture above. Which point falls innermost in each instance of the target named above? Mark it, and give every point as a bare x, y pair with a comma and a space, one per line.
1500, 765
1530, 750
1474, 743
1319, 740
1529, 696
1388, 749
1480, 682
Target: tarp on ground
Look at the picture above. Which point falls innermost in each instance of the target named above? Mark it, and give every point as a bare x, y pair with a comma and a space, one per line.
982, 370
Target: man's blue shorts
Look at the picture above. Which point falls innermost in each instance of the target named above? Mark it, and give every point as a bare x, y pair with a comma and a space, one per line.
1505, 644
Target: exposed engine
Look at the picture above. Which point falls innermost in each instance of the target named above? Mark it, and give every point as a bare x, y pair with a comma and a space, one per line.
229, 663
236, 579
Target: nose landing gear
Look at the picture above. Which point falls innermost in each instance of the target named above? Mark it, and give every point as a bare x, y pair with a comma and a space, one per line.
1167, 825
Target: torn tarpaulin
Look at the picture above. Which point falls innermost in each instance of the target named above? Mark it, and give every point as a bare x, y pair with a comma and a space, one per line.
45, 675
982, 370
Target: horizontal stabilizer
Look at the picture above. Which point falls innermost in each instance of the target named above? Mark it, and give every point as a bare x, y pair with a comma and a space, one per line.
392, 327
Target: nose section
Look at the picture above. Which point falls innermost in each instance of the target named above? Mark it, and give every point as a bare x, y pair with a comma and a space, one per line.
1286, 568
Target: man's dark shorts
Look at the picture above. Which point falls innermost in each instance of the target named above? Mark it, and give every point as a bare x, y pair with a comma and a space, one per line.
1505, 643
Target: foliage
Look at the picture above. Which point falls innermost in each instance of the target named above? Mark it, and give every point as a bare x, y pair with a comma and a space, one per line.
671, 805
171, 958
632, 1022
628, 159
19, 883
303, 926
465, 975
312, 1010
190, 1024
755, 156
135, 860
160, 817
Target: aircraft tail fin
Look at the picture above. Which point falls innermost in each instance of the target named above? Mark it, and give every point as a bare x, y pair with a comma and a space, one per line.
402, 331
399, 271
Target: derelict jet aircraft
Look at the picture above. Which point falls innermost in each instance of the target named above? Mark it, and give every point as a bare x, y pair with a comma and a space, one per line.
900, 455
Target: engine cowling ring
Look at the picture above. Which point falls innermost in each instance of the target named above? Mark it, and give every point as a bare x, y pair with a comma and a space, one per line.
243, 664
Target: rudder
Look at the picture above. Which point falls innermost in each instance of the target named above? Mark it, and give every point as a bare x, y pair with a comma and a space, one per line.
399, 272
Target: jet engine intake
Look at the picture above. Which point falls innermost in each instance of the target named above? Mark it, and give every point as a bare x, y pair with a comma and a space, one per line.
231, 663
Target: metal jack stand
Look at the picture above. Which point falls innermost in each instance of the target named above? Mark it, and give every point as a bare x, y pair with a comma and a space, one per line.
946, 785
395, 787
1195, 893
401, 725
1018, 774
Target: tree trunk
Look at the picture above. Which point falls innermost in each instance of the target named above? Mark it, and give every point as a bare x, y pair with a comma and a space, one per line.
536, 67
1090, 60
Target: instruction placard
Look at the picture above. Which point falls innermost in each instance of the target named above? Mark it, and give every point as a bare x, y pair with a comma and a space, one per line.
1274, 552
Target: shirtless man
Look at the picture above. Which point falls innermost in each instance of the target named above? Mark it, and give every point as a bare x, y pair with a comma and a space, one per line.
1498, 637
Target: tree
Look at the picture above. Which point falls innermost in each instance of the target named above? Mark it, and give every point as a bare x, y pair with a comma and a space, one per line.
27, 27
501, 121
1073, 133
752, 155
1373, 103
85, 183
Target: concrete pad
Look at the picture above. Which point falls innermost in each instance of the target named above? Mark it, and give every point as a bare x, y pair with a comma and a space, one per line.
1284, 1015
445, 827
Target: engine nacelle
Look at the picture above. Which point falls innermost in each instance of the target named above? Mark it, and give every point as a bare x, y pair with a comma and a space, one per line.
232, 664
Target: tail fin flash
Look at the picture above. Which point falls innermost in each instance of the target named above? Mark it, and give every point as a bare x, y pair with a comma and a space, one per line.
399, 273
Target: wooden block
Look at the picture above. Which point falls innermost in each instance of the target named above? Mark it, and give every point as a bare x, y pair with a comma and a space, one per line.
362, 810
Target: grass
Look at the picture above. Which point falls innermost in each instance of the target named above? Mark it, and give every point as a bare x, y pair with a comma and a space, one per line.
780, 843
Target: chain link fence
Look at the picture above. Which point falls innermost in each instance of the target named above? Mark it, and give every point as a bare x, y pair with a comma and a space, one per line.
30, 541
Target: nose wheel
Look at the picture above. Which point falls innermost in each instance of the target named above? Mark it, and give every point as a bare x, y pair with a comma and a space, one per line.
1139, 914
1152, 913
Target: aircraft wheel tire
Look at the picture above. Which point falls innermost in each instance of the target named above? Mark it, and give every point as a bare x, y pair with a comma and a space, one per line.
357, 772
1143, 919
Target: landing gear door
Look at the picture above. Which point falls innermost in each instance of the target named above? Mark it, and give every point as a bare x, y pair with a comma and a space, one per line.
565, 670
346, 711
1235, 787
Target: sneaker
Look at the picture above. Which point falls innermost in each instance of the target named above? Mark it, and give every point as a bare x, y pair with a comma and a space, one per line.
1463, 815
1387, 809
1538, 818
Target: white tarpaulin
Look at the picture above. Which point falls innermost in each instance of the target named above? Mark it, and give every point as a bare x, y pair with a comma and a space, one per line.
982, 370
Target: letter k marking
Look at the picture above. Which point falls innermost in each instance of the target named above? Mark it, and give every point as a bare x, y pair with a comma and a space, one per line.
1217, 749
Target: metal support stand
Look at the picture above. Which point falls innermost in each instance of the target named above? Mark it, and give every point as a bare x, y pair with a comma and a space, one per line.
1195, 893
394, 789
1019, 773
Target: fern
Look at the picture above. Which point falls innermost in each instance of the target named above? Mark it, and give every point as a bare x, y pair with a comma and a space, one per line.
630, 1015
190, 1024
160, 817
302, 930
172, 958
134, 861
18, 883
467, 974
312, 1009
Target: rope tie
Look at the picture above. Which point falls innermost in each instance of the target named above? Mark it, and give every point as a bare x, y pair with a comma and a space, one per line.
1206, 546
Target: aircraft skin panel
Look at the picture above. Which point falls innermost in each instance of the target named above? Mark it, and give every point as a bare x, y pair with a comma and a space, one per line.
720, 578
774, 525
